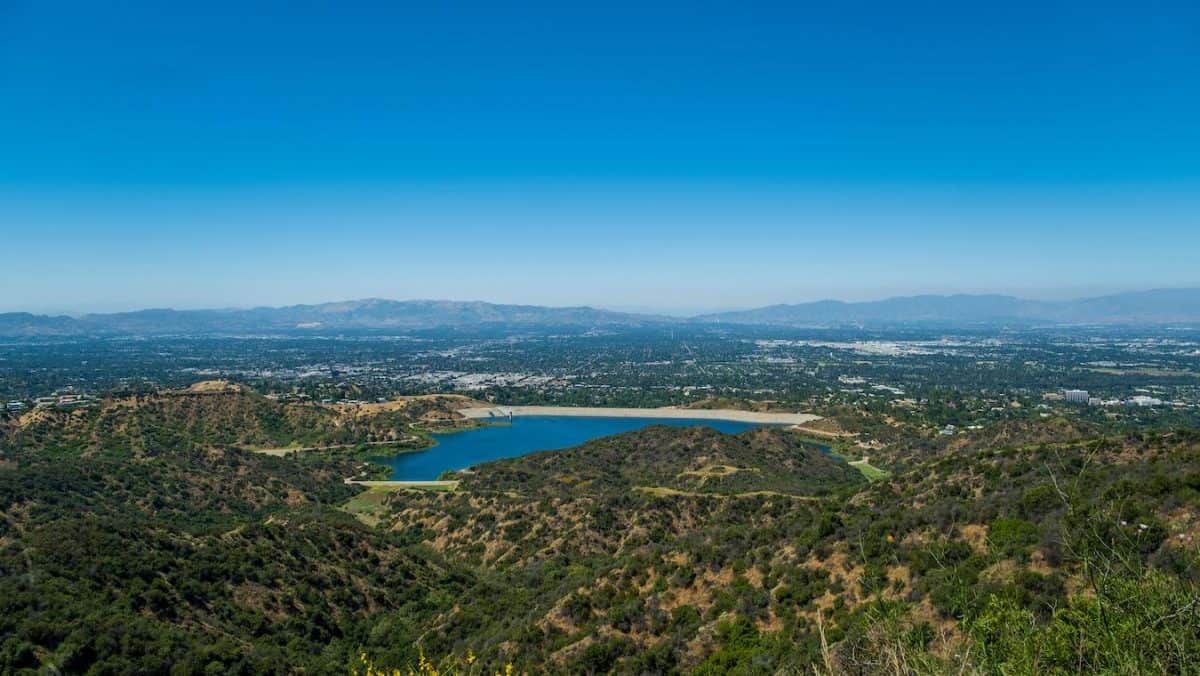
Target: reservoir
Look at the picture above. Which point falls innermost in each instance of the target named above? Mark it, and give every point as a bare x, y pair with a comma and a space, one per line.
459, 450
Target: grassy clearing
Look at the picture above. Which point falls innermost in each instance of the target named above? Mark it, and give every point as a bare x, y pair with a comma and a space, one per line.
868, 470
368, 506
864, 466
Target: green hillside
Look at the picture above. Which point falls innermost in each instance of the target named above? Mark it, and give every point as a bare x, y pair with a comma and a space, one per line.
237, 418
195, 561
133, 539
696, 459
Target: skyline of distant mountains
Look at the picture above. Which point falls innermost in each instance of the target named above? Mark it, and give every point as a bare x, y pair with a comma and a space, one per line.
1159, 306
366, 314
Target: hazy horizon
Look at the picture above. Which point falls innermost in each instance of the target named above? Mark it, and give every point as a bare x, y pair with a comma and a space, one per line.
634, 309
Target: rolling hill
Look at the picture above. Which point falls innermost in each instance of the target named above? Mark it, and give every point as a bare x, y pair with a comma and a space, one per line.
661, 459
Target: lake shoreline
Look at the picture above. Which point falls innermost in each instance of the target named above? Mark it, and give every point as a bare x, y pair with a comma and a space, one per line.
731, 415
528, 433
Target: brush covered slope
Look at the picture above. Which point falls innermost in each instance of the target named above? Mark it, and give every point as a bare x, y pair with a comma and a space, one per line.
1013, 558
1038, 548
215, 415
695, 459
185, 560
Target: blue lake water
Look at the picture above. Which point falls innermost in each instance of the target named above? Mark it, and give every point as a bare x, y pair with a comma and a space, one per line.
459, 450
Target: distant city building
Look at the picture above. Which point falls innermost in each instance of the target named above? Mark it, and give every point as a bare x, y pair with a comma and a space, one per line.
1094, 401
1143, 400
1076, 396
75, 401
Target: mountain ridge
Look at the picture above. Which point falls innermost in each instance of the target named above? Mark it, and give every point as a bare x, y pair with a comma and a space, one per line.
1155, 306
364, 314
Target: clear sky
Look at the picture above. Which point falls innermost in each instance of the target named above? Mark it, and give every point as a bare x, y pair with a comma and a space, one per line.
670, 157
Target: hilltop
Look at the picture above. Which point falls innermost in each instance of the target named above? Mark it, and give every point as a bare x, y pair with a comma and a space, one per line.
665, 459
224, 415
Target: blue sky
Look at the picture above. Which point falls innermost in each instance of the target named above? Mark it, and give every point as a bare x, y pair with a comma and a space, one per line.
668, 157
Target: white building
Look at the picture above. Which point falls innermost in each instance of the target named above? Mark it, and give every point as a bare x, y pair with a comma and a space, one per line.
1076, 396
1143, 400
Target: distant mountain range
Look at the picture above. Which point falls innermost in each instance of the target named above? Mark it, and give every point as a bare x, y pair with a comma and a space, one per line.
1162, 306
370, 314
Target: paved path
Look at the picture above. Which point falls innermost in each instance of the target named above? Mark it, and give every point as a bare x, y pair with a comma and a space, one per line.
404, 484
502, 412
331, 447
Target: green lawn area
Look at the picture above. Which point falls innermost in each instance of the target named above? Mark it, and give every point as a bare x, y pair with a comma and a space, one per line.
870, 471
368, 506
